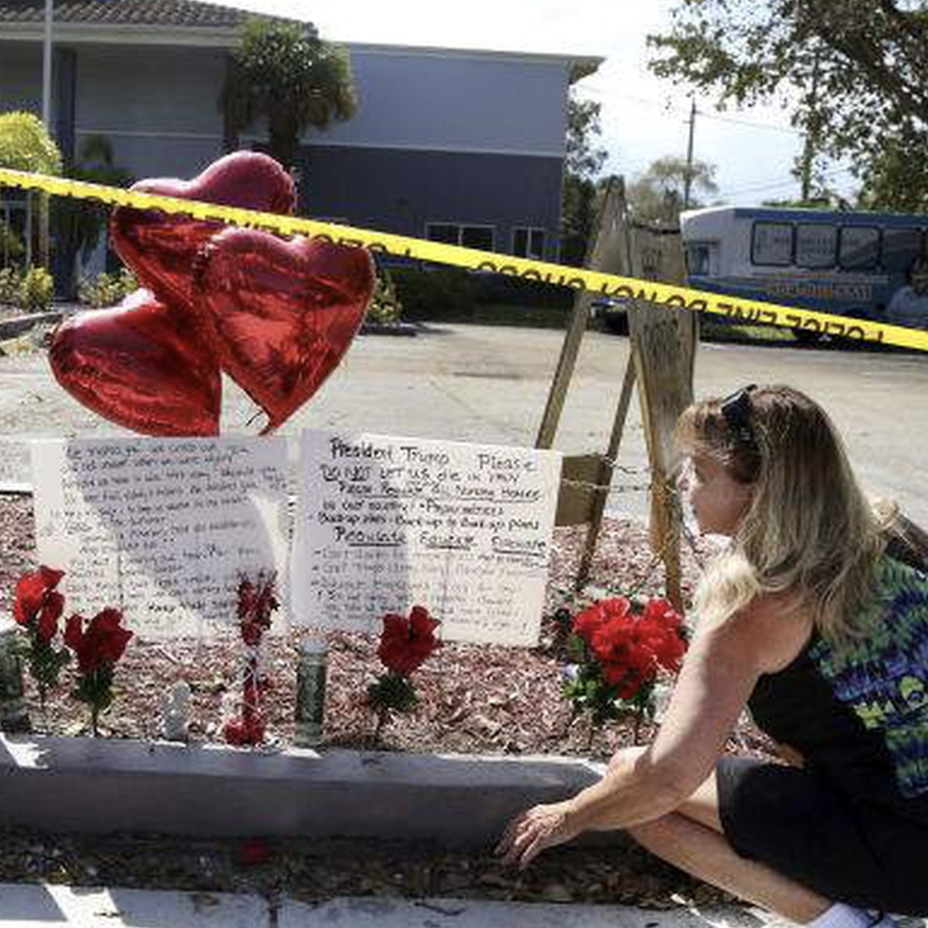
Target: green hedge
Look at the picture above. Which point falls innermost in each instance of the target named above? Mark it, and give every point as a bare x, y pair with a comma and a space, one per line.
453, 294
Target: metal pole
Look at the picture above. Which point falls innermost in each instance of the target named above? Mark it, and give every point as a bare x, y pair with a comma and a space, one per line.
47, 67
688, 180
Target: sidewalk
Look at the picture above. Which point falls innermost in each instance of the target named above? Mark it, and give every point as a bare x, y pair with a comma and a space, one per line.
31, 906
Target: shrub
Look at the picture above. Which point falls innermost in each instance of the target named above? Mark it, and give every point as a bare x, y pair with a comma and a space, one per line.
106, 289
385, 305
36, 290
11, 279
11, 245
435, 293
516, 291
454, 294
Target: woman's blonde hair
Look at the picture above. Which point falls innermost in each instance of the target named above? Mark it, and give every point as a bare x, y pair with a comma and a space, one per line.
808, 531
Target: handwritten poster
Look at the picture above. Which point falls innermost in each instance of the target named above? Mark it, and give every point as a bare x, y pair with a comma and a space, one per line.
386, 523
162, 527
14, 464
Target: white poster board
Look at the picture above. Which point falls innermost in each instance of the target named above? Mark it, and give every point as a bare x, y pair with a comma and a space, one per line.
385, 523
162, 527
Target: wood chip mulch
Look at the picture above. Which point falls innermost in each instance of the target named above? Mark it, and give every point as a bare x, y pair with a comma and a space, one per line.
475, 699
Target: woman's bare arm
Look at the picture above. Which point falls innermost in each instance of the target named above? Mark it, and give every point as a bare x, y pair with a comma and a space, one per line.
718, 675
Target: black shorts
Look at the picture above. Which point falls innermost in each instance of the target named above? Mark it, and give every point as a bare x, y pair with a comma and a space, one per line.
801, 826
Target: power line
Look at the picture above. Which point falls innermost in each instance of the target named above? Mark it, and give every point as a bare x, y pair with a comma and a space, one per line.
747, 122
672, 109
780, 184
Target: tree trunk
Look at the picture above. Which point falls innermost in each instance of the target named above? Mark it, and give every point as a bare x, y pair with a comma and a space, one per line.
44, 250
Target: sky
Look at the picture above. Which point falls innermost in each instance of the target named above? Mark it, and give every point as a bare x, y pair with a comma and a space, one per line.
643, 118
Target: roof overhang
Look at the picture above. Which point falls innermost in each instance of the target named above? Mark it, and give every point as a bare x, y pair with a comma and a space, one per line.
71, 33
92, 34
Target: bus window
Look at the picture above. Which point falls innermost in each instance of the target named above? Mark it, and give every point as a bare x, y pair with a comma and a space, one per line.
697, 260
772, 243
900, 248
816, 244
859, 248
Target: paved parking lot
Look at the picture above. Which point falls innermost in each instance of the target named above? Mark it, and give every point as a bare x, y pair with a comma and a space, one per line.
490, 384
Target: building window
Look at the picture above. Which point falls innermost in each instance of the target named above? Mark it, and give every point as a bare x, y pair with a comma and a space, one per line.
477, 237
449, 233
528, 242
443, 232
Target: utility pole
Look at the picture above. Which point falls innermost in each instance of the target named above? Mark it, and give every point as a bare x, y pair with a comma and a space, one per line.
47, 67
47, 120
688, 180
811, 140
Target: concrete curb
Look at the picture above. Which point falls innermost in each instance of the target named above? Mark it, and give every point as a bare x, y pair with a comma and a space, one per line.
389, 328
10, 328
99, 786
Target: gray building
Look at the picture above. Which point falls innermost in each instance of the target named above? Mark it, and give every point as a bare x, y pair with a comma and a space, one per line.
462, 146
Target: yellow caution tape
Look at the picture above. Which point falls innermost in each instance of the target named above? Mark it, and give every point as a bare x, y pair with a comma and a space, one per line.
613, 285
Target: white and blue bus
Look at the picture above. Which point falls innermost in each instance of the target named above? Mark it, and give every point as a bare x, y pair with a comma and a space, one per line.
847, 263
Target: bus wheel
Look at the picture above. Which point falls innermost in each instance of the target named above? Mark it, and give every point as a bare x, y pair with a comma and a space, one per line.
806, 336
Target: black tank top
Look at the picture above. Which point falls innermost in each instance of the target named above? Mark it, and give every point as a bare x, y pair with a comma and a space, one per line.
859, 714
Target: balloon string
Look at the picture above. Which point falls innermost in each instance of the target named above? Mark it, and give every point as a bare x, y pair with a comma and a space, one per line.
254, 417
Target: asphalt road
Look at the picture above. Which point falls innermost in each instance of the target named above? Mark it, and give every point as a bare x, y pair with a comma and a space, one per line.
490, 384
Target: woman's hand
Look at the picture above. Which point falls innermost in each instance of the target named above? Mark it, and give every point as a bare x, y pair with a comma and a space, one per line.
528, 834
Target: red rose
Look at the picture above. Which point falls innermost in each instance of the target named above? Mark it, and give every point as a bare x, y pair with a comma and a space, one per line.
266, 603
246, 599
625, 661
52, 608
630, 649
256, 602
662, 627
611, 639
253, 852
588, 621
406, 643
244, 731
103, 641
36, 596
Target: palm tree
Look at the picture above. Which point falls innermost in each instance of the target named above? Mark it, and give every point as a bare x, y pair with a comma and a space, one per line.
284, 73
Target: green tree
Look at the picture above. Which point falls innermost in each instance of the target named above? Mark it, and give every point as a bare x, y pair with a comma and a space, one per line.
282, 72
582, 162
583, 123
657, 194
25, 145
896, 178
78, 223
852, 74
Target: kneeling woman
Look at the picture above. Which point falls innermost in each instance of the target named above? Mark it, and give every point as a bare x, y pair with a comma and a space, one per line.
815, 616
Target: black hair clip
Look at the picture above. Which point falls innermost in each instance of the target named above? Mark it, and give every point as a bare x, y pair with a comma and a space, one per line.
736, 410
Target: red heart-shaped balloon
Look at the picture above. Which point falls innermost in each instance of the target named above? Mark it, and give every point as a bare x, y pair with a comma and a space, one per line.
160, 247
140, 364
279, 315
